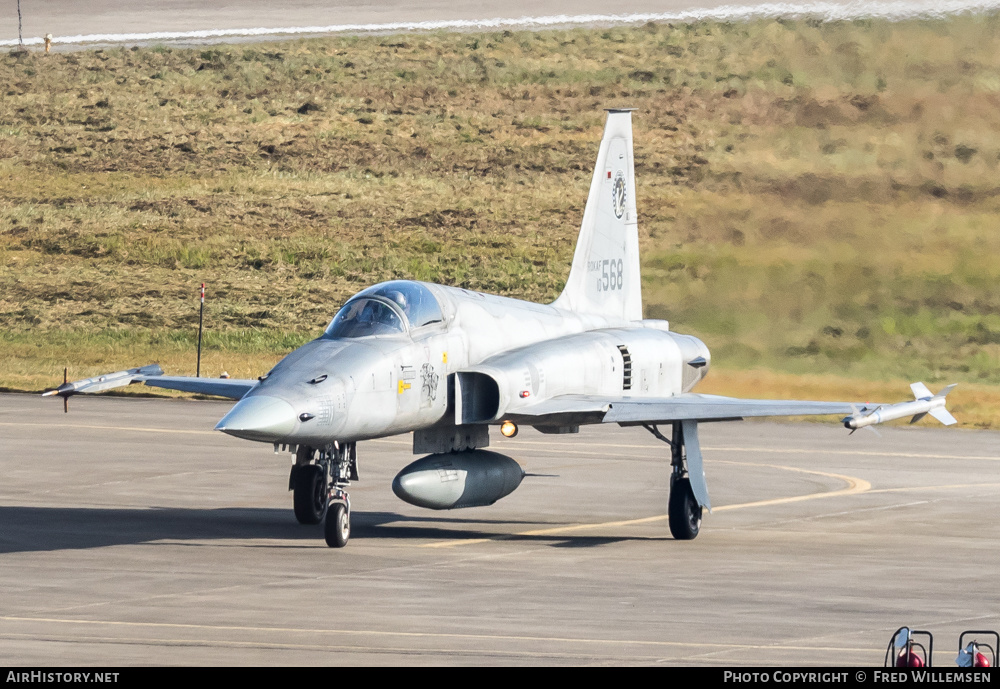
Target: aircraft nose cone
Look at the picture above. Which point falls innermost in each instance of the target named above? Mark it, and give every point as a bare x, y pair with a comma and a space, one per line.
259, 417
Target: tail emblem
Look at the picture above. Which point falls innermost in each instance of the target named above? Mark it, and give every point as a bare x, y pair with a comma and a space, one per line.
618, 194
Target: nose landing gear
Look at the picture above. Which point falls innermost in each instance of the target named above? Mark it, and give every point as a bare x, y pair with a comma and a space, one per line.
319, 480
337, 529
344, 469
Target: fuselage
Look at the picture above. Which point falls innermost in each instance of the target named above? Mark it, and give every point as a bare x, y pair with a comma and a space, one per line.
389, 362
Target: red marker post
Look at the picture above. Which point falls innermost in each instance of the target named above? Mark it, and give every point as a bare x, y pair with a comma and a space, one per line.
201, 320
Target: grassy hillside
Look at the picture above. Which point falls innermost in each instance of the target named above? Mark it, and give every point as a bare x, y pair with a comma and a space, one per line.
814, 198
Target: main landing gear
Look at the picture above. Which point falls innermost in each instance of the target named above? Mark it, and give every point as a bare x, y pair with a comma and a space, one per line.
683, 509
318, 481
308, 482
688, 491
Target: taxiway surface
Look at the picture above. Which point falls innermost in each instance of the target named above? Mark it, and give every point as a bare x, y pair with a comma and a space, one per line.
131, 533
69, 19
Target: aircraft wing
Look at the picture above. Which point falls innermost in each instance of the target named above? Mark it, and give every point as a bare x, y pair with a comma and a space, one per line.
586, 409
152, 375
233, 388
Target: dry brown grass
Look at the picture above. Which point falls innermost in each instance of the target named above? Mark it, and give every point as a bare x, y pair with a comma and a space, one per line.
814, 198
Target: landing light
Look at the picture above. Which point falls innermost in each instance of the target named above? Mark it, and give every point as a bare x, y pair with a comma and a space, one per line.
508, 429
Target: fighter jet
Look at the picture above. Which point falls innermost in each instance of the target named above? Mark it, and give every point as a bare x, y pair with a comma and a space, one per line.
448, 364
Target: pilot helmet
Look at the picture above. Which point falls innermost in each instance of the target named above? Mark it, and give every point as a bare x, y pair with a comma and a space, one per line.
399, 298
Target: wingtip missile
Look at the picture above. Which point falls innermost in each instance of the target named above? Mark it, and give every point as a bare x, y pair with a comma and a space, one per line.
64, 391
924, 403
100, 383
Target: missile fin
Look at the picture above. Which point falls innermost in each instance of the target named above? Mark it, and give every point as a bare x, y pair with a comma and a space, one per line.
944, 392
920, 391
917, 417
943, 415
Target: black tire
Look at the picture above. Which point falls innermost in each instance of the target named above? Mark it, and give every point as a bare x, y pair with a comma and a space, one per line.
684, 511
310, 494
337, 529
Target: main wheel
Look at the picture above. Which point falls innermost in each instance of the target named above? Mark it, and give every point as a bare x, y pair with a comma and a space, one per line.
310, 494
684, 511
337, 529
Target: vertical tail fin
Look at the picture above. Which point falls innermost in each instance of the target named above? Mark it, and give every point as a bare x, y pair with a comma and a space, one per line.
604, 278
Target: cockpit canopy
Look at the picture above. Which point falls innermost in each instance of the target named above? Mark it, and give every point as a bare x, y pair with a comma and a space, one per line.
386, 309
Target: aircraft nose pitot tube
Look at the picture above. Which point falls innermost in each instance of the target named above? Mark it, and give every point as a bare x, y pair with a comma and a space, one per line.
458, 479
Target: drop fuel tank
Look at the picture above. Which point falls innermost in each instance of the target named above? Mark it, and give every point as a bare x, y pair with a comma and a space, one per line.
451, 480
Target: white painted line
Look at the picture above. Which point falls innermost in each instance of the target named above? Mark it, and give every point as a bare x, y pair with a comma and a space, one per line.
827, 11
187, 431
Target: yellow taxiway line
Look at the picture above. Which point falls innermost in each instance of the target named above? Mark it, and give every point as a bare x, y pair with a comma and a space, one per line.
492, 638
854, 485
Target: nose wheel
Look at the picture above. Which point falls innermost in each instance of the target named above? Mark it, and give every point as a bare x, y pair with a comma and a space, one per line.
344, 469
337, 529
